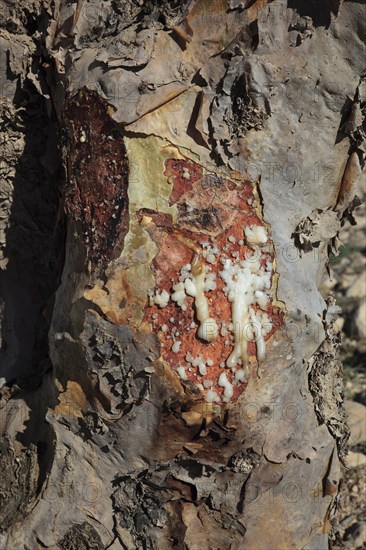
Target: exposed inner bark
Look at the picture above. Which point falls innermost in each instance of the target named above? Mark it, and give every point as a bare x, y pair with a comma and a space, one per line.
181, 124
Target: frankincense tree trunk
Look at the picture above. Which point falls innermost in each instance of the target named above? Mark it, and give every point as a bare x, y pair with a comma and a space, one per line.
174, 178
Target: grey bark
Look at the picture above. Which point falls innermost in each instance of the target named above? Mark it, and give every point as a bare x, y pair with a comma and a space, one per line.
103, 446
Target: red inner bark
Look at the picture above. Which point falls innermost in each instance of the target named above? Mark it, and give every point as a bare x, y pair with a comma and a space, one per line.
209, 206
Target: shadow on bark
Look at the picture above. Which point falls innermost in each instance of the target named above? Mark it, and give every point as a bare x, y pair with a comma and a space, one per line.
34, 246
35, 250
320, 12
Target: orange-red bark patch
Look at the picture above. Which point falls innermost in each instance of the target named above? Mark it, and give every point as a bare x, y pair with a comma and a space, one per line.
213, 211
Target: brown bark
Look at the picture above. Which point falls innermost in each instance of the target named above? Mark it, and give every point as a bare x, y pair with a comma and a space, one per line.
207, 134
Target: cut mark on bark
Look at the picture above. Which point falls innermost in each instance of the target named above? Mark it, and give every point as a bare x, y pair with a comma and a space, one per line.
214, 303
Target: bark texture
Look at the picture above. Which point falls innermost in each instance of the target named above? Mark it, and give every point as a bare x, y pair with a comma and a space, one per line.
140, 138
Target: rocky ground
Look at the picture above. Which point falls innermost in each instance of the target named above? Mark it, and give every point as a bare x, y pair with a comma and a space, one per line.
348, 282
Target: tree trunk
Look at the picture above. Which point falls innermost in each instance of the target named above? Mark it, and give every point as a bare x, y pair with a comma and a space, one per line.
174, 178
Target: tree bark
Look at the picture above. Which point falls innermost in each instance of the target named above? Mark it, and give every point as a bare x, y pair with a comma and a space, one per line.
174, 178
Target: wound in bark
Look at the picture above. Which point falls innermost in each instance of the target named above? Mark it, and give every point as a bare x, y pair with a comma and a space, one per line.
213, 306
96, 191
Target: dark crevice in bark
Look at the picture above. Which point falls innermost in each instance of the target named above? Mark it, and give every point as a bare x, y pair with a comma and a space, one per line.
34, 247
320, 12
192, 130
254, 31
35, 252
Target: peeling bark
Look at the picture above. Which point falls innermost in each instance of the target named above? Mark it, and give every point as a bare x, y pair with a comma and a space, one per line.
201, 158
